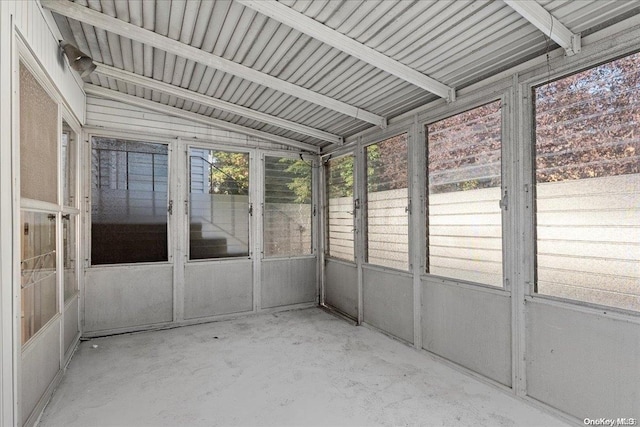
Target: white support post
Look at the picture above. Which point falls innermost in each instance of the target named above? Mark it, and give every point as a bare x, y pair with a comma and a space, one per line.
360, 189
256, 197
317, 231
417, 231
183, 50
178, 177
520, 123
8, 342
317, 30
548, 24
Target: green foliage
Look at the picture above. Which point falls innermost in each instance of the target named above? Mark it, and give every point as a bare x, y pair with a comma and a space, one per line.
340, 177
287, 180
300, 170
387, 164
229, 173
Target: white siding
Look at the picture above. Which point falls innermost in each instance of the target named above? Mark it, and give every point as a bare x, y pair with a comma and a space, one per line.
29, 20
115, 115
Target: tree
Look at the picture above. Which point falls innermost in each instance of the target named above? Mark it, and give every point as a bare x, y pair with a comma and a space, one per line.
586, 123
229, 173
287, 180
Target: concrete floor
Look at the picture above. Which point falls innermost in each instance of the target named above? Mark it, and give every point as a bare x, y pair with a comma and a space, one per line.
297, 368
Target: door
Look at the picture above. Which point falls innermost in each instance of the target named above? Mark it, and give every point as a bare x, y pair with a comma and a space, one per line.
218, 270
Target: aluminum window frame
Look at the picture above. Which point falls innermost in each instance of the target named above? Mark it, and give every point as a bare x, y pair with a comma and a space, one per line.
402, 128
500, 91
88, 198
555, 70
325, 216
315, 212
253, 181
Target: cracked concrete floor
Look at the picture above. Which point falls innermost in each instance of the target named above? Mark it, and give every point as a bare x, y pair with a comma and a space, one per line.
296, 368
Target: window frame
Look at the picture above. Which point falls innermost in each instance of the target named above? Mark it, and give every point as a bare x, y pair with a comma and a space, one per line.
382, 137
88, 197
325, 190
199, 145
314, 202
504, 93
527, 87
24, 56
73, 210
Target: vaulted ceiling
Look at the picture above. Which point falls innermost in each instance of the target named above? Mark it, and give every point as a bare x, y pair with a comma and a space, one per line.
313, 72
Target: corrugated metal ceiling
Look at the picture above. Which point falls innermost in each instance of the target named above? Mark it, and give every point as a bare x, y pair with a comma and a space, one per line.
455, 42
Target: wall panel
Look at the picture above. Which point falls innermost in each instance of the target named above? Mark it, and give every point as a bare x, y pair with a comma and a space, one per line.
288, 281
585, 364
388, 302
127, 296
119, 116
40, 365
219, 287
471, 327
71, 326
29, 19
341, 287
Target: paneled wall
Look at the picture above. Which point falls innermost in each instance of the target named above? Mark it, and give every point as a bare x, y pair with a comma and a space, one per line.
572, 343
28, 375
186, 290
30, 22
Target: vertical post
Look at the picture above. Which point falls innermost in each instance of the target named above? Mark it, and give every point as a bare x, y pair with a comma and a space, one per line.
178, 164
7, 339
359, 194
417, 229
519, 134
319, 193
256, 198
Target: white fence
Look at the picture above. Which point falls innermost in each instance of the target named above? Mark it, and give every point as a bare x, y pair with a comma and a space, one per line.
589, 240
588, 237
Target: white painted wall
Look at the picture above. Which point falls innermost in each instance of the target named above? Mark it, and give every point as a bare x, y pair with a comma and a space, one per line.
27, 376
31, 23
114, 115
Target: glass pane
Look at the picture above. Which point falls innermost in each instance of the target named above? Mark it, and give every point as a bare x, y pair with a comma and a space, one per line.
128, 201
69, 153
465, 220
387, 203
38, 271
340, 216
287, 207
38, 141
588, 185
69, 265
219, 204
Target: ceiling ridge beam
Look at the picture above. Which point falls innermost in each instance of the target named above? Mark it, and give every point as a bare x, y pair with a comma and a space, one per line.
100, 91
183, 50
542, 19
189, 95
321, 32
